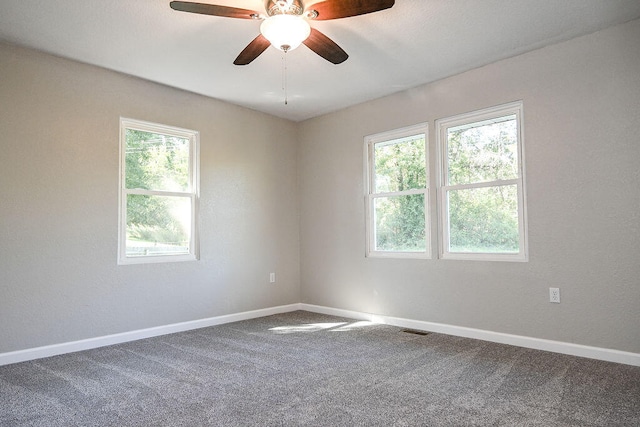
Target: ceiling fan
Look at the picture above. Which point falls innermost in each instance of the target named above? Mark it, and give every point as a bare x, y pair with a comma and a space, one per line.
285, 25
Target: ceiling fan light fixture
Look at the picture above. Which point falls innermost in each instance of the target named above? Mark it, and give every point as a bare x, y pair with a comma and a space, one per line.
285, 32
286, 26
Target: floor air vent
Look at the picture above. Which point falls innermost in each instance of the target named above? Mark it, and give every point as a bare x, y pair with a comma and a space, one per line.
413, 331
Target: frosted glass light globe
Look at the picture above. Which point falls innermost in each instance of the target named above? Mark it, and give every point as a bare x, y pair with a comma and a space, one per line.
285, 32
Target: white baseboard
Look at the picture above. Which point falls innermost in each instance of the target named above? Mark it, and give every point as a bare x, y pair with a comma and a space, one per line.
87, 344
605, 354
498, 337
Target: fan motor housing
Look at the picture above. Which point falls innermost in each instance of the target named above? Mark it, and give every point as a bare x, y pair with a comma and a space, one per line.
287, 7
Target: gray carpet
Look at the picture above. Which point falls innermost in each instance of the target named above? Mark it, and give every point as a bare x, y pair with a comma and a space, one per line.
303, 368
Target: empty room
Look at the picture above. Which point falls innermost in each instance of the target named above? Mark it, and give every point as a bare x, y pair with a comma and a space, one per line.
324, 213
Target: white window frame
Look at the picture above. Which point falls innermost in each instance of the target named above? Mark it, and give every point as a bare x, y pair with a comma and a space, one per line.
193, 192
371, 195
442, 185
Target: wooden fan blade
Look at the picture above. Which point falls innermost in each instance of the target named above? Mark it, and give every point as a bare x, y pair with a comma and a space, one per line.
325, 47
252, 51
212, 9
335, 9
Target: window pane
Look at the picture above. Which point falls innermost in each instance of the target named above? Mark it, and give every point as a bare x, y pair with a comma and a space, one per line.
400, 164
484, 220
483, 151
400, 223
158, 225
156, 162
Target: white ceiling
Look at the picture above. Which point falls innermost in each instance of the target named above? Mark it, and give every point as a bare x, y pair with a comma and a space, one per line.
415, 42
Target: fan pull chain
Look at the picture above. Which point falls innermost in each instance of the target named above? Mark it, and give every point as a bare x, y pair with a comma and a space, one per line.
284, 77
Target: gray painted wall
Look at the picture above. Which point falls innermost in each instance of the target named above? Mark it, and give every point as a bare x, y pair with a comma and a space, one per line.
582, 147
261, 176
59, 280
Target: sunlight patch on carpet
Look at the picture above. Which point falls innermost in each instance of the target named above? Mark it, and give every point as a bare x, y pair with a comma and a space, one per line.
309, 327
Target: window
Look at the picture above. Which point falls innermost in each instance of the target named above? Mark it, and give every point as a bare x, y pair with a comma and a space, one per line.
481, 192
398, 193
158, 193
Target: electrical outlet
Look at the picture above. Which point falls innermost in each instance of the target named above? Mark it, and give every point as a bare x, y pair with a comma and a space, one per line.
554, 295
272, 277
